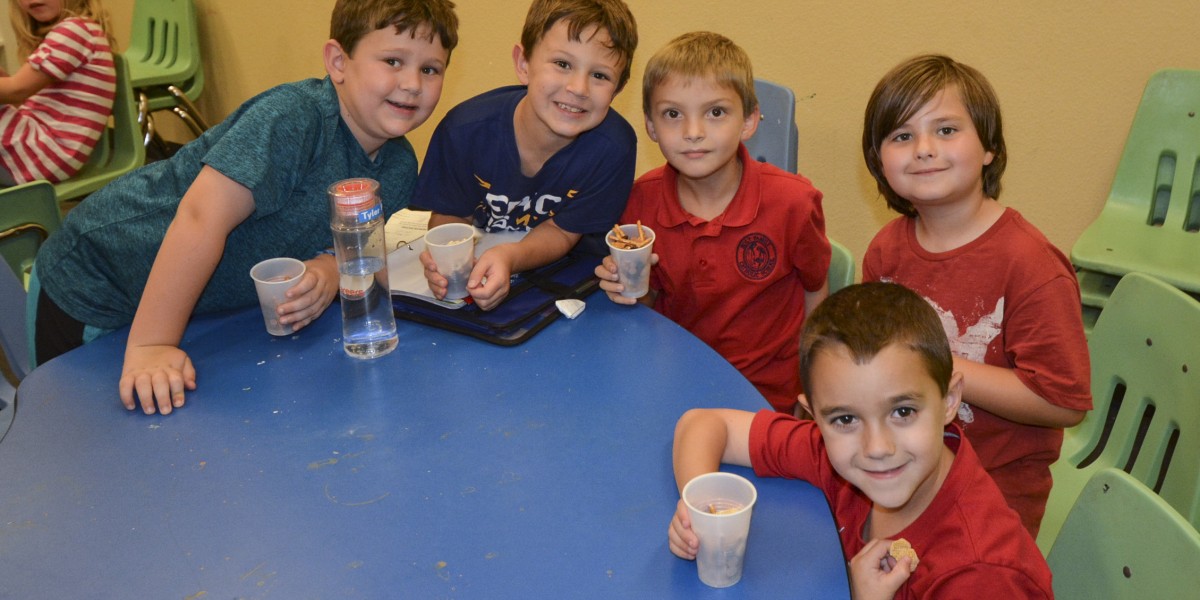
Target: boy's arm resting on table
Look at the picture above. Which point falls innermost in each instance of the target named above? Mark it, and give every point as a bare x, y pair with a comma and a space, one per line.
999, 391
704, 438
543, 245
156, 371
26, 82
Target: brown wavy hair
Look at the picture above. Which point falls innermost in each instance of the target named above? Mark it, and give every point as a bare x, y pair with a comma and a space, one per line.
905, 89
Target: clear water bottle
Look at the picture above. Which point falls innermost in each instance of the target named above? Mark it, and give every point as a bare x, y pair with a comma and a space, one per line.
356, 218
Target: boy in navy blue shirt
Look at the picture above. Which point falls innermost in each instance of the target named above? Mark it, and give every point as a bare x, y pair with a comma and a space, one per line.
548, 156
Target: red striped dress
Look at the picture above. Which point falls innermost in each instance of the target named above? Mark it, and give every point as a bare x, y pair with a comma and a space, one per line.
52, 133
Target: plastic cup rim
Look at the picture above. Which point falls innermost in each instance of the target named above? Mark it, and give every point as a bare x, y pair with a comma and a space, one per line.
608, 238
721, 475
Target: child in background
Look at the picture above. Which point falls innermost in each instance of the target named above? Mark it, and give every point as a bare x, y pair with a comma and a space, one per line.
741, 246
548, 156
54, 108
885, 450
179, 236
1007, 297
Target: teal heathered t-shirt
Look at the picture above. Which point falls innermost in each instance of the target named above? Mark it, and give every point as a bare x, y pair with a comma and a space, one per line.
286, 145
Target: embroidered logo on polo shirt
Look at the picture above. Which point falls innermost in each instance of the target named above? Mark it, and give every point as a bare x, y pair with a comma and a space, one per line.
756, 256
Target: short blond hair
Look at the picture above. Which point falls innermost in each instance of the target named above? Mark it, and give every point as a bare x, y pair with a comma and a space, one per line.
611, 16
702, 54
30, 33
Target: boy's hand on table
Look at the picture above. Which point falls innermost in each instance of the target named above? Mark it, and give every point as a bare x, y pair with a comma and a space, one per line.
683, 540
156, 377
875, 574
606, 271
310, 296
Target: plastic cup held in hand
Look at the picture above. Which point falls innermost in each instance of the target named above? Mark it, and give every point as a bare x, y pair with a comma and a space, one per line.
272, 279
633, 264
452, 246
719, 505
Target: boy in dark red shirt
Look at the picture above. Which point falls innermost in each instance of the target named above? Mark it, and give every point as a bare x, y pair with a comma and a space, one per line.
883, 448
741, 244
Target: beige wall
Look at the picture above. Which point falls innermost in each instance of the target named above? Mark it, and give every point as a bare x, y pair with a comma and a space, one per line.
1069, 76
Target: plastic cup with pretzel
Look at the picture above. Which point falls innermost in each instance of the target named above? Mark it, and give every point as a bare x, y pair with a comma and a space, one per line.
630, 247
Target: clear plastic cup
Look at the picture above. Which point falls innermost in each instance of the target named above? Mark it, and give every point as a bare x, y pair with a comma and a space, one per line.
633, 264
720, 505
452, 246
272, 279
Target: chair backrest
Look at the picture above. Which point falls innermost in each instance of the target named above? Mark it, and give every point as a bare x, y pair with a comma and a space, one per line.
841, 267
28, 215
777, 138
1122, 541
1151, 219
1146, 390
164, 46
127, 151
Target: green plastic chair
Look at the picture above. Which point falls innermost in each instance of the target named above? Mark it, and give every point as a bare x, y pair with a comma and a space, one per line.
1122, 541
120, 149
165, 66
28, 215
1151, 220
841, 267
1146, 390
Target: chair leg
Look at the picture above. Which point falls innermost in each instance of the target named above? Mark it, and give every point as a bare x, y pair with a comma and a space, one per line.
188, 106
188, 119
143, 118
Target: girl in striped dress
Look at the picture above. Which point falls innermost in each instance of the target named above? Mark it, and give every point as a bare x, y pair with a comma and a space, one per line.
53, 109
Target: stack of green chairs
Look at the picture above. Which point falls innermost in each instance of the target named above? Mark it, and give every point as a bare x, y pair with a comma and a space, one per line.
1151, 220
1123, 542
1146, 390
164, 62
28, 215
120, 149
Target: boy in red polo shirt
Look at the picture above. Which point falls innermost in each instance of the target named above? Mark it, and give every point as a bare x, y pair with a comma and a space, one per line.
741, 246
885, 450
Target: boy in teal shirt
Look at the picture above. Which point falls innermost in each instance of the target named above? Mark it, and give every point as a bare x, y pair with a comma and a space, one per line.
179, 237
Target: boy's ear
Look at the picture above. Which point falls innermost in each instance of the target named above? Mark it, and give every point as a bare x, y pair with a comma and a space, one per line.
521, 64
953, 397
650, 130
751, 124
335, 61
806, 404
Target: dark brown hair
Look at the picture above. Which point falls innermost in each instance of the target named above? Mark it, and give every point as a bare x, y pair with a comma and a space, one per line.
611, 16
868, 317
353, 19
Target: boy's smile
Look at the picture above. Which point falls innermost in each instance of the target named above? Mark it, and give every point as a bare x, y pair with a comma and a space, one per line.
390, 85
882, 421
936, 157
698, 125
571, 84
